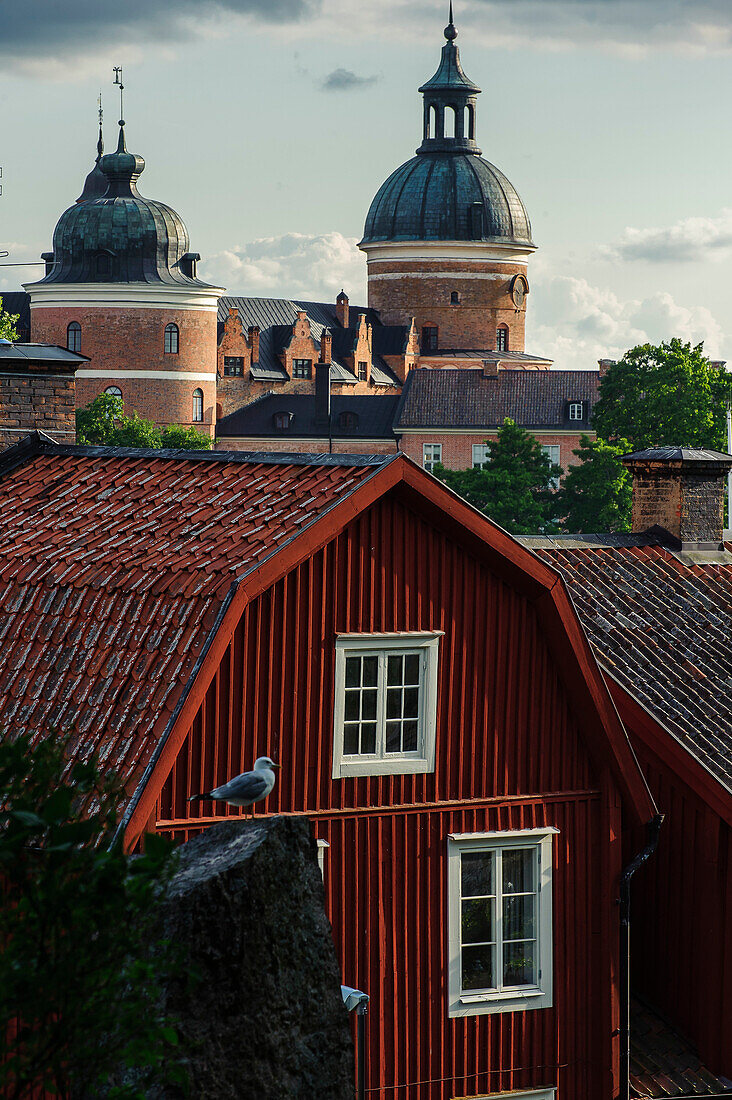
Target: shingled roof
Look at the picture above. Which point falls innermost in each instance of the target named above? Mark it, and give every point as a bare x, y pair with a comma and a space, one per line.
466, 398
659, 622
116, 567
664, 1064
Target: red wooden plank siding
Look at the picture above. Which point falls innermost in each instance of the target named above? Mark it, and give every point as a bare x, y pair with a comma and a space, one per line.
508, 749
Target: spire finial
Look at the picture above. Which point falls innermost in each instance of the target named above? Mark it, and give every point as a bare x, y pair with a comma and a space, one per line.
100, 142
450, 30
121, 147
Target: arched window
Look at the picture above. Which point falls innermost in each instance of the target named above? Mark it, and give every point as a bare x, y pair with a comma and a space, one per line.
502, 338
197, 401
432, 124
450, 121
113, 391
429, 338
454, 297
470, 128
281, 421
104, 265
171, 339
73, 337
348, 419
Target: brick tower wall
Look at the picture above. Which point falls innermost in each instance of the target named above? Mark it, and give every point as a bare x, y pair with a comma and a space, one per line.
402, 289
121, 340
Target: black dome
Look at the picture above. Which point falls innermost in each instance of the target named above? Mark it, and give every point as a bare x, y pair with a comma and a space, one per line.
445, 196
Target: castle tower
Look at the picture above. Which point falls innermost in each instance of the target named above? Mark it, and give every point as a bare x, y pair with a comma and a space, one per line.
121, 287
447, 237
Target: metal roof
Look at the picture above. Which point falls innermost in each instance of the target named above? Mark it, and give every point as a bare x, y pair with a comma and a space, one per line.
678, 454
40, 353
374, 417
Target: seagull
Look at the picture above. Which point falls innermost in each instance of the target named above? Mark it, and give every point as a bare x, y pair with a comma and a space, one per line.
244, 789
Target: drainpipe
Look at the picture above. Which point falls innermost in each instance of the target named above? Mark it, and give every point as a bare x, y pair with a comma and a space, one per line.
652, 830
729, 472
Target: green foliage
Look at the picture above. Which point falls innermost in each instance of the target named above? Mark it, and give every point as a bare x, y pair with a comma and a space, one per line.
665, 395
513, 487
103, 423
81, 969
185, 439
8, 321
596, 494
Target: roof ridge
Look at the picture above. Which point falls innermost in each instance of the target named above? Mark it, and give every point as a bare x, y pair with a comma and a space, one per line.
256, 458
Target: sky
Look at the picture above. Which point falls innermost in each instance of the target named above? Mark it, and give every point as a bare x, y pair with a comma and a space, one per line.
269, 125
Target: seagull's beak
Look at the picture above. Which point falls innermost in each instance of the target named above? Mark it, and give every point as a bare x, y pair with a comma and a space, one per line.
276, 765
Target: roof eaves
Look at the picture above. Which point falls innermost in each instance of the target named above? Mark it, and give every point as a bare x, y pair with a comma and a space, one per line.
36, 442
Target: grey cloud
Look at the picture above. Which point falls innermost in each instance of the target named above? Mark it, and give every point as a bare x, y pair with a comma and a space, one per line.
343, 80
687, 241
46, 28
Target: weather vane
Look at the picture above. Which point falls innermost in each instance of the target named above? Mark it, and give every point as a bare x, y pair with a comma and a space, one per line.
101, 112
118, 81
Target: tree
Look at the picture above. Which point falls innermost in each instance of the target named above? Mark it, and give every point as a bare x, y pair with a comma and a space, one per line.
81, 966
596, 494
8, 322
103, 423
664, 395
514, 486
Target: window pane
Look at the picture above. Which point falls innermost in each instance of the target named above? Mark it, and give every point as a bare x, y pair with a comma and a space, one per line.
351, 710
518, 871
411, 668
409, 737
370, 669
518, 917
394, 703
476, 872
518, 963
350, 739
394, 670
353, 672
478, 968
411, 702
368, 705
477, 921
393, 737
368, 737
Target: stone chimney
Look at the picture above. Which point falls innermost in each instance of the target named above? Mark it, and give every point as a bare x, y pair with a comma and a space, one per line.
326, 346
680, 489
322, 398
253, 333
604, 365
490, 368
343, 313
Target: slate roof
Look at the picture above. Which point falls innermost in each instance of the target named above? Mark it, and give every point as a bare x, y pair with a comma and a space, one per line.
663, 1063
375, 417
444, 397
490, 354
660, 623
275, 317
116, 567
23, 355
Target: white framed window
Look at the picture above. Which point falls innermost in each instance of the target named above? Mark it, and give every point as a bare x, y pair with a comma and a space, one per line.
481, 454
551, 450
197, 405
499, 921
385, 703
431, 455
576, 410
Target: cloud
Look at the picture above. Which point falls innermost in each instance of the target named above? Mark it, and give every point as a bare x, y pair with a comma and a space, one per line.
343, 80
19, 254
294, 265
691, 239
575, 323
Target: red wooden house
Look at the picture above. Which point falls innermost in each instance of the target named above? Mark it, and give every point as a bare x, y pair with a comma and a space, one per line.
427, 688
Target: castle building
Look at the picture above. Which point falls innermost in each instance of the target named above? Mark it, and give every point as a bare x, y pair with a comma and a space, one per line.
121, 288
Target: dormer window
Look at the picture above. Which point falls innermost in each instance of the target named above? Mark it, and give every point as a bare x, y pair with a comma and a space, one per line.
502, 338
73, 337
281, 421
429, 337
348, 419
576, 410
104, 265
171, 339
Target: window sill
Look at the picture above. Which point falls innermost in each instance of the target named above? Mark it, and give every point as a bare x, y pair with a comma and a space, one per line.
512, 1001
403, 766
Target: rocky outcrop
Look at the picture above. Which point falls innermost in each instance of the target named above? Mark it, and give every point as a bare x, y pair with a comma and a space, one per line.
264, 1018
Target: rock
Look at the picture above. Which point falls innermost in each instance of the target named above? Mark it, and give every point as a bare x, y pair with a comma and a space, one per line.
265, 1018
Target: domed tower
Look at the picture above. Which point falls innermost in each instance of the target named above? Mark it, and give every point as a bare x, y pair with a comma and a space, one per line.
447, 237
121, 287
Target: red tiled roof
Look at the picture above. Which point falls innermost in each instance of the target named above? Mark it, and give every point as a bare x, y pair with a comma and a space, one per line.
115, 567
660, 623
663, 1063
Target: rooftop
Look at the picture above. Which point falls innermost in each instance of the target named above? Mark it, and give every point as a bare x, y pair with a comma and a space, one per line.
374, 417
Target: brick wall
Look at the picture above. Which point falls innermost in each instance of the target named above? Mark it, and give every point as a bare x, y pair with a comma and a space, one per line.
36, 400
401, 290
457, 453
687, 501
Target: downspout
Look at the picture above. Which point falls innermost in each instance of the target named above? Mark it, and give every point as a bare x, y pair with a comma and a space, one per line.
652, 830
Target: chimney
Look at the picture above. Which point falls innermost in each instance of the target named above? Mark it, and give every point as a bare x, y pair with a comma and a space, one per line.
680, 489
604, 365
322, 398
253, 333
326, 346
490, 368
343, 313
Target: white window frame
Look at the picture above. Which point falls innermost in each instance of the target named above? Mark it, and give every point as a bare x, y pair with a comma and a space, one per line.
576, 405
514, 999
428, 463
383, 645
550, 450
478, 450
